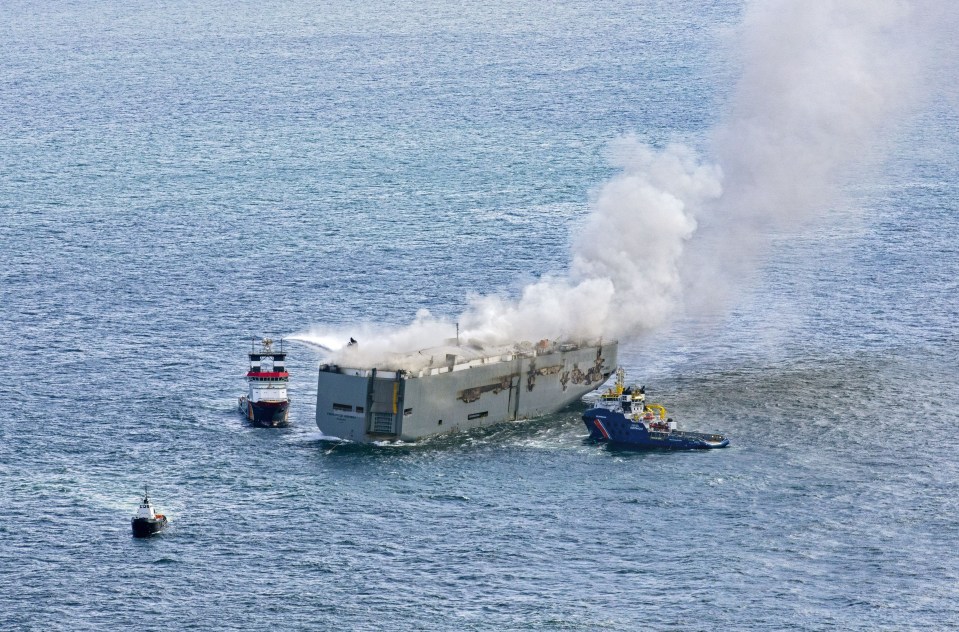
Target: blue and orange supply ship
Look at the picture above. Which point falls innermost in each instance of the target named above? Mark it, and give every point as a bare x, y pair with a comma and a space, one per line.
622, 417
267, 403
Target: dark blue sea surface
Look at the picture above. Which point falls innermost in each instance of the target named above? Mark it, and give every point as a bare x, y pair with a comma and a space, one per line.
176, 177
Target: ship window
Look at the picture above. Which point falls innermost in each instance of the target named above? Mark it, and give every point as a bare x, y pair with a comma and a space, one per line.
359, 409
407, 411
478, 415
344, 407
440, 423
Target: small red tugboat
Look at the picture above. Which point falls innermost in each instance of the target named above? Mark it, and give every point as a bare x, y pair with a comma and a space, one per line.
266, 404
147, 521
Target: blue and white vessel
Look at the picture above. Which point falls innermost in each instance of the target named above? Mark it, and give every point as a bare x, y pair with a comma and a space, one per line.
623, 417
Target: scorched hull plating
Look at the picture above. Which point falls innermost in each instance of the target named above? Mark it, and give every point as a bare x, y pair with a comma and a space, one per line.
367, 405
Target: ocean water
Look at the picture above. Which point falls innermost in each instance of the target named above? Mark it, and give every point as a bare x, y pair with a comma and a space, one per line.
175, 178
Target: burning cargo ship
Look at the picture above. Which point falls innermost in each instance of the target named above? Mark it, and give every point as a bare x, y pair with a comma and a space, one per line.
455, 388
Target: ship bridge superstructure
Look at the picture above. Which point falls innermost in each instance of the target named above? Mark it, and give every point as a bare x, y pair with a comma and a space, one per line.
267, 377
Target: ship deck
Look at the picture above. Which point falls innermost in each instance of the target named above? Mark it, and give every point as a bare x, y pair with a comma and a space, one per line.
445, 358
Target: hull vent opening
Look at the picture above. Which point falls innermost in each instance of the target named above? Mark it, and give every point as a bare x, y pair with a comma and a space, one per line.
383, 423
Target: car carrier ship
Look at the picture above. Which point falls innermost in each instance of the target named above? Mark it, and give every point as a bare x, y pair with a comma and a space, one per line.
454, 388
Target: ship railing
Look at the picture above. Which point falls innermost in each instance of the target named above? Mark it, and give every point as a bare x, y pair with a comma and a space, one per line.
702, 436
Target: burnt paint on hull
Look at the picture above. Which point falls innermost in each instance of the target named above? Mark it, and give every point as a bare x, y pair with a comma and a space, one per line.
364, 406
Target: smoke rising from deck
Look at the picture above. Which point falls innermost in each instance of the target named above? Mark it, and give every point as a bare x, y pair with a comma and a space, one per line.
821, 85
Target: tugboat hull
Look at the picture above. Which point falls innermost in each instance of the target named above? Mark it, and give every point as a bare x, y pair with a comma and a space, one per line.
266, 414
145, 527
613, 427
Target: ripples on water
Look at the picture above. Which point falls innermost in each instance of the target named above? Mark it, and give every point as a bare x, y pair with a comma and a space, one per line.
156, 161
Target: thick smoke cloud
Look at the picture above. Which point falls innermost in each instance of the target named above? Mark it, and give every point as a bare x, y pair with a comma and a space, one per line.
624, 276
822, 84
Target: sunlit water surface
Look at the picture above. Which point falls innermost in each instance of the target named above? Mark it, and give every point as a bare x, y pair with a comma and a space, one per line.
175, 178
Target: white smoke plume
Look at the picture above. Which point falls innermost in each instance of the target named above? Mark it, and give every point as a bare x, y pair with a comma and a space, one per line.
624, 277
821, 84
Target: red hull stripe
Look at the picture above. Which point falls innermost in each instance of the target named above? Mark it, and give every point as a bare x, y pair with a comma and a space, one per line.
268, 374
601, 427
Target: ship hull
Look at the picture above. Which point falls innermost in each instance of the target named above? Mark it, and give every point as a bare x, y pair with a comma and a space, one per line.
368, 405
265, 414
612, 427
145, 527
